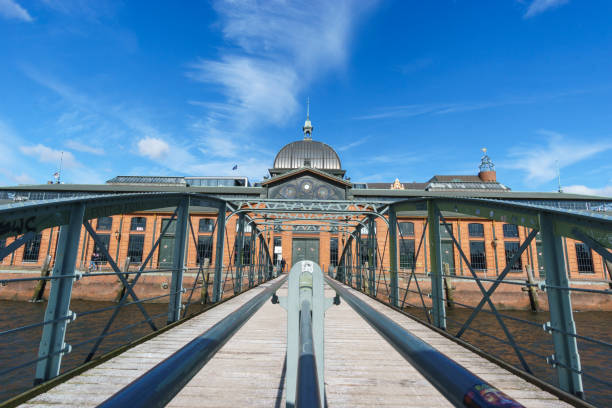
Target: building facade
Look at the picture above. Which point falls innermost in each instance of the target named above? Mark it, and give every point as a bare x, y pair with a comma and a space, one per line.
309, 171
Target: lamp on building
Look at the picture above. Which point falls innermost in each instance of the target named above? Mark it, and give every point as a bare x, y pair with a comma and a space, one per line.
494, 243
118, 235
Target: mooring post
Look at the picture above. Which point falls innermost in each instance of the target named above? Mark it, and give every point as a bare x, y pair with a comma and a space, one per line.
52, 346
435, 260
393, 258
531, 289
448, 286
39, 290
218, 279
562, 327
178, 267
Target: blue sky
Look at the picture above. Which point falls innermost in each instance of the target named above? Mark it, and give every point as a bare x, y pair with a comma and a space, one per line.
400, 88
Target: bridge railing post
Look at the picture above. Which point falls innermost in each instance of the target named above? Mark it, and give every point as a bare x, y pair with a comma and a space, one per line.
218, 278
393, 258
372, 244
52, 346
566, 358
178, 268
435, 260
239, 254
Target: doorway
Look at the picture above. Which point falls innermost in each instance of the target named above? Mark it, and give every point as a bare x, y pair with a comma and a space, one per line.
305, 249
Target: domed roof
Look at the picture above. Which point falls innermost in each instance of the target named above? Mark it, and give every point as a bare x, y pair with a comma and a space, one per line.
307, 153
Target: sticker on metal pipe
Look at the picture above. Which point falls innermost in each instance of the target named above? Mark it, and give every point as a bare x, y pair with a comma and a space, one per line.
307, 266
484, 395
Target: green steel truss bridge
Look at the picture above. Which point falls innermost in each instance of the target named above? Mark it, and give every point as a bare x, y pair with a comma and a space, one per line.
388, 340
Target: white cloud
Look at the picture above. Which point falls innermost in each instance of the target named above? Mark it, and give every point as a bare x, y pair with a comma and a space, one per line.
580, 189
45, 154
11, 10
540, 6
153, 148
353, 144
276, 49
82, 147
540, 162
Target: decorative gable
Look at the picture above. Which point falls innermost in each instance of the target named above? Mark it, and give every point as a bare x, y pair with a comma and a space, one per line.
307, 184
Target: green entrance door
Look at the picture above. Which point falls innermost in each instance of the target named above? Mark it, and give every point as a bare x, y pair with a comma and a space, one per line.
448, 255
166, 245
305, 249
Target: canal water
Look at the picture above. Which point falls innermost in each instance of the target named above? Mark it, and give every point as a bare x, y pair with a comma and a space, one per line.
21, 347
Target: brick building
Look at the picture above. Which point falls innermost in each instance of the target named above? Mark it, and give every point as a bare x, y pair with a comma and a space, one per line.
310, 171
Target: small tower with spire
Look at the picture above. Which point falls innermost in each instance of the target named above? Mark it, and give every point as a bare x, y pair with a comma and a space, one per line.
486, 167
307, 125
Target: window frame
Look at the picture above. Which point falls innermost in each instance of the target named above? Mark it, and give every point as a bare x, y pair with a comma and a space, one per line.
134, 224
478, 259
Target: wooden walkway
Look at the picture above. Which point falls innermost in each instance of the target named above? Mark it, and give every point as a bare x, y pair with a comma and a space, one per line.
361, 369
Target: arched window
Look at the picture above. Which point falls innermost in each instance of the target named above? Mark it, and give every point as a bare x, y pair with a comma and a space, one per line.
476, 229
138, 224
206, 225
406, 229
105, 223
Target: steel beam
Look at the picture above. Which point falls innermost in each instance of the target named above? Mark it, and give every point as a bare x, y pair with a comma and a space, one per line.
218, 279
372, 255
359, 276
178, 267
239, 248
393, 258
566, 358
435, 259
52, 346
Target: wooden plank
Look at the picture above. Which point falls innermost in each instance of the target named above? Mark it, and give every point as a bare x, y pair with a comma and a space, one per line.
516, 387
97, 384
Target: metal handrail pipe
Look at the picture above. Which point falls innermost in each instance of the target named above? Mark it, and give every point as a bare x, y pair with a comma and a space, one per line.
458, 385
307, 392
159, 385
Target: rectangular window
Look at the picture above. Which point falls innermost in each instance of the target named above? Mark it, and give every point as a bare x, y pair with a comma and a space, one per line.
278, 250
511, 249
31, 249
246, 251
206, 225
247, 227
105, 238
171, 229
138, 224
135, 248
205, 249
476, 230
406, 229
105, 223
333, 251
584, 258
478, 258
407, 259
444, 234
510, 231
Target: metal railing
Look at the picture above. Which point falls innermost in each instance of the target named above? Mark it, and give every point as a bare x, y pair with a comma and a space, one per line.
71, 332
545, 340
458, 385
159, 385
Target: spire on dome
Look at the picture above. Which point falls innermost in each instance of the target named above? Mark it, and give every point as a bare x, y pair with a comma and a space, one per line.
307, 125
485, 162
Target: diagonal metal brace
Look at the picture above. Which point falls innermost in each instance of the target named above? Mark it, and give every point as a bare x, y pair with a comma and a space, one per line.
13, 246
487, 294
125, 295
113, 265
